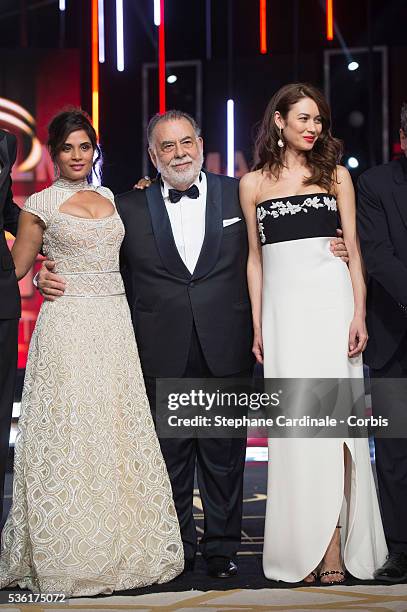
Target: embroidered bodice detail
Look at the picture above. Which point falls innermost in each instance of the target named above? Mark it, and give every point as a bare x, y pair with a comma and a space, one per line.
86, 251
282, 219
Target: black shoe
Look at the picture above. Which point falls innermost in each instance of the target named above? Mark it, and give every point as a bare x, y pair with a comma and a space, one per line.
221, 567
394, 569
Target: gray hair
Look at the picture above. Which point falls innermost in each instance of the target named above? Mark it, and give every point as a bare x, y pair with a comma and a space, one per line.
403, 118
170, 115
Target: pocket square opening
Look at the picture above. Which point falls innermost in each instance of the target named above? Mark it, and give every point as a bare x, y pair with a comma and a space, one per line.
227, 222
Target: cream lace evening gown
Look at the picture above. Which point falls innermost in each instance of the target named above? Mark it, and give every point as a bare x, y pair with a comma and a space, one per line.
92, 504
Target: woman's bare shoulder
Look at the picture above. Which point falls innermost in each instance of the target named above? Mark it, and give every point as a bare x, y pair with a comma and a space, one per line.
342, 174
251, 178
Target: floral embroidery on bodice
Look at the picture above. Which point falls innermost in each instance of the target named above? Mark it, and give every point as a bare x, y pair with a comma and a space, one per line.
276, 209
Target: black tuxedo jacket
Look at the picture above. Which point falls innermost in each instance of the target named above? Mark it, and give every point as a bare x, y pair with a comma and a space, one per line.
9, 211
382, 226
166, 299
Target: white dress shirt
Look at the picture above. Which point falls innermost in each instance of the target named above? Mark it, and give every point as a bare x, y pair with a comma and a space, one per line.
187, 218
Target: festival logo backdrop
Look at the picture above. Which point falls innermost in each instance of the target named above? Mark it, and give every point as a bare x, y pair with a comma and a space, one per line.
34, 86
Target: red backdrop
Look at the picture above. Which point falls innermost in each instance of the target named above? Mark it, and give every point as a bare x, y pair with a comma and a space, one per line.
42, 83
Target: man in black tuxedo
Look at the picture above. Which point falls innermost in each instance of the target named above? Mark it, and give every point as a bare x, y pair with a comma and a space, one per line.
9, 301
382, 225
184, 265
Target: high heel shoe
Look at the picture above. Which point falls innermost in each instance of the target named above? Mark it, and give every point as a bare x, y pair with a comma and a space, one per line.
334, 572
315, 574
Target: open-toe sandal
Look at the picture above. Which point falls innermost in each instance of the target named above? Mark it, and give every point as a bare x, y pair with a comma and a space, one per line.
315, 575
332, 573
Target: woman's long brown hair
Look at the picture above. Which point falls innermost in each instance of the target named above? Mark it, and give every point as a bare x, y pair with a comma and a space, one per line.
327, 150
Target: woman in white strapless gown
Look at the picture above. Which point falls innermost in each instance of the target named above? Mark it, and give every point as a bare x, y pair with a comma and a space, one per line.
308, 313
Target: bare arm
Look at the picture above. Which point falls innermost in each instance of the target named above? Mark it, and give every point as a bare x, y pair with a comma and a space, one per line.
28, 243
247, 194
347, 211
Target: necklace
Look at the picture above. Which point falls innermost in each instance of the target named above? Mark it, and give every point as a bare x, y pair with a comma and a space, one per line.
69, 185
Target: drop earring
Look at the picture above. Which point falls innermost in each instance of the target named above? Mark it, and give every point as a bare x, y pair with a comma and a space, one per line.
280, 141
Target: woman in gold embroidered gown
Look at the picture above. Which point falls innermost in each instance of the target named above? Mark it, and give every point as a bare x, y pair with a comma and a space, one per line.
92, 504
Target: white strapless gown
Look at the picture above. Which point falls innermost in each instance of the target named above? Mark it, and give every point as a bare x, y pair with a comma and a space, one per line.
307, 310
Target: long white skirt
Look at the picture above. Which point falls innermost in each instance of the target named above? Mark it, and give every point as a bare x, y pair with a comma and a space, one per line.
307, 310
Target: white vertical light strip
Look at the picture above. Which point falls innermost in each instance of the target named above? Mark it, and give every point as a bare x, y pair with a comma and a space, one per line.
62, 5
119, 35
97, 169
157, 13
101, 26
230, 138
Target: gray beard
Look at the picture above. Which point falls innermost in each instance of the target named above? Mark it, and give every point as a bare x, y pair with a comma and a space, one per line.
181, 181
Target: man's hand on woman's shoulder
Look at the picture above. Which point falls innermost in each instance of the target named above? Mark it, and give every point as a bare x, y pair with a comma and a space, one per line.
143, 183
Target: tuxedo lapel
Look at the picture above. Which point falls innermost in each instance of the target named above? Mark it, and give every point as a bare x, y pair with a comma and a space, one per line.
400, 188
4, 160
163, 233
213, 227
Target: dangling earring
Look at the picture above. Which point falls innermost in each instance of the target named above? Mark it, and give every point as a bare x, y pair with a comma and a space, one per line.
56, 171
280, 141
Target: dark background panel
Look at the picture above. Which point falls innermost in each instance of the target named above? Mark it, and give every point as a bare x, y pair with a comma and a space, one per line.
296, 37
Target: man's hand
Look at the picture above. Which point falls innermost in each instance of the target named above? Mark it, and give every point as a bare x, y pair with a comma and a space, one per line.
143, 183
338, 247
50, 285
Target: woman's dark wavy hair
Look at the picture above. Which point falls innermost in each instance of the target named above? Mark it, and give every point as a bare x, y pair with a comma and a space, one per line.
327, 150
72, 119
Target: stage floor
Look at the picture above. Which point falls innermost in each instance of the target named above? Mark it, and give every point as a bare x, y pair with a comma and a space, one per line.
249, 591
250, 574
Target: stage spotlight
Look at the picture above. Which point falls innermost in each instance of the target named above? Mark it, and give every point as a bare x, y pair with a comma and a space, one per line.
162, 94
119, 35
62, 5
352, 66
96, 169
329, 19
101, 27
230, 138
352, 163
172, 78
95, 65
263, 26
157, 12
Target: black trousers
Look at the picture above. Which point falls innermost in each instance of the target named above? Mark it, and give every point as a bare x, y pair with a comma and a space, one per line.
8, 369
220, 465
389, 399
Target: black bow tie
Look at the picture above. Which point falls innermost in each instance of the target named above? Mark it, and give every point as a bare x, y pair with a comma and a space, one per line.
175, 195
